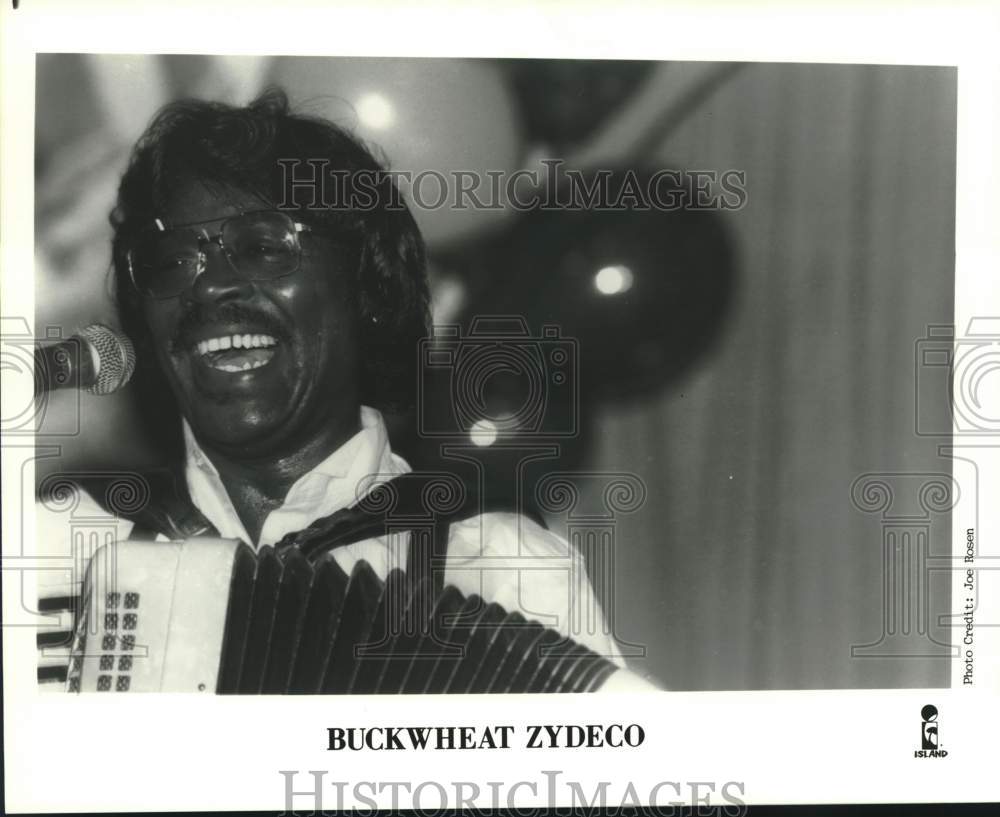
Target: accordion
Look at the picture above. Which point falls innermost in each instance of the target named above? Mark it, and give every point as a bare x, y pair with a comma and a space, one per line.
210, 615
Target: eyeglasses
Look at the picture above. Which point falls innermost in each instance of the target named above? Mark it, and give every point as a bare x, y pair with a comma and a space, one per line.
259, 246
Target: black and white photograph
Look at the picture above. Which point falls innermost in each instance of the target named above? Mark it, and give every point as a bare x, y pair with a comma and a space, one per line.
647, 381
644, 353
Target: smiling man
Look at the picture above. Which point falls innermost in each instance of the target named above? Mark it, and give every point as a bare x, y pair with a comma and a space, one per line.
252, 320
269, 327
268, 339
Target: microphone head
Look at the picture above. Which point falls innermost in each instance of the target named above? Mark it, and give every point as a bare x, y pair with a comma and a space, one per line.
114, 357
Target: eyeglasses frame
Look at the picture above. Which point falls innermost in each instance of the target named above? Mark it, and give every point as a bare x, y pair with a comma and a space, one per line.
205, 238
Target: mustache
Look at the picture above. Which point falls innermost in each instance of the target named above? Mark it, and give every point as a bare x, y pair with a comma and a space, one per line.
197, 317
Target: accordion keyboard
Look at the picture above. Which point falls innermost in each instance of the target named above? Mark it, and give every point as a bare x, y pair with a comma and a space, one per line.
212, 616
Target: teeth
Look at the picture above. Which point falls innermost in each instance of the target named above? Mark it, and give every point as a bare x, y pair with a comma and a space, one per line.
235, 342
229, 367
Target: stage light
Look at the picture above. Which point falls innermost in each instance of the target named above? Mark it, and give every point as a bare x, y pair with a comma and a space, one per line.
613, 280
375, 111
483, 433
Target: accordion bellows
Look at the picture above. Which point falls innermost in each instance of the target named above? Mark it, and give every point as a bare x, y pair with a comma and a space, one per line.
210, 615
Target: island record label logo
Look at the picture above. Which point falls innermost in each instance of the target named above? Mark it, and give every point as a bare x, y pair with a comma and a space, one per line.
929, 739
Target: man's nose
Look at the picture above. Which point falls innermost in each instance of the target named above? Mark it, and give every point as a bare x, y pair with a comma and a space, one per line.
218, 280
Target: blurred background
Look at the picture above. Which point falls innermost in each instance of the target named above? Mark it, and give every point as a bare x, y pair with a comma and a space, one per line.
741, 367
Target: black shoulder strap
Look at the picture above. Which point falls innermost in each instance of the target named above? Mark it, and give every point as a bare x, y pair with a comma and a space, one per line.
155, 500
170, 510
416, 503
423, 504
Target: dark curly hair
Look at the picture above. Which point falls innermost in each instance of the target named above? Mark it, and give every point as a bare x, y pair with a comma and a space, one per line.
240, 147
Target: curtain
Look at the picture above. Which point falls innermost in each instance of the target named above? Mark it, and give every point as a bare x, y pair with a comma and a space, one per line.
749, 565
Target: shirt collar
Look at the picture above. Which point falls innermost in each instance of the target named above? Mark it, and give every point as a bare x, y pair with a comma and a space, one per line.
337, 482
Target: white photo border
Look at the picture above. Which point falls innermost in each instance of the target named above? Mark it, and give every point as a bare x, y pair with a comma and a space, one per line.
137, 753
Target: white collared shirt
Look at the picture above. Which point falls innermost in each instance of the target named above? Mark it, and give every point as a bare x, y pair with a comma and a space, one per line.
506, 558
337, 482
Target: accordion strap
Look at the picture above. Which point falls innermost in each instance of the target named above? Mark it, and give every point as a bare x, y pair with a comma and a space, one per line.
401, 505
156, 501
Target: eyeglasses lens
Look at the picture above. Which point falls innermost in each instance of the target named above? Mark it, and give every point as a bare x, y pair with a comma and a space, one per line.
259, 247
262, 245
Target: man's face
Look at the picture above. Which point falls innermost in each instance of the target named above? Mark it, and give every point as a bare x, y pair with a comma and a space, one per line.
259, 368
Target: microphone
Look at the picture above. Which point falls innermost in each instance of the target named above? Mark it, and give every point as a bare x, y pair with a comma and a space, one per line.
96, 358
